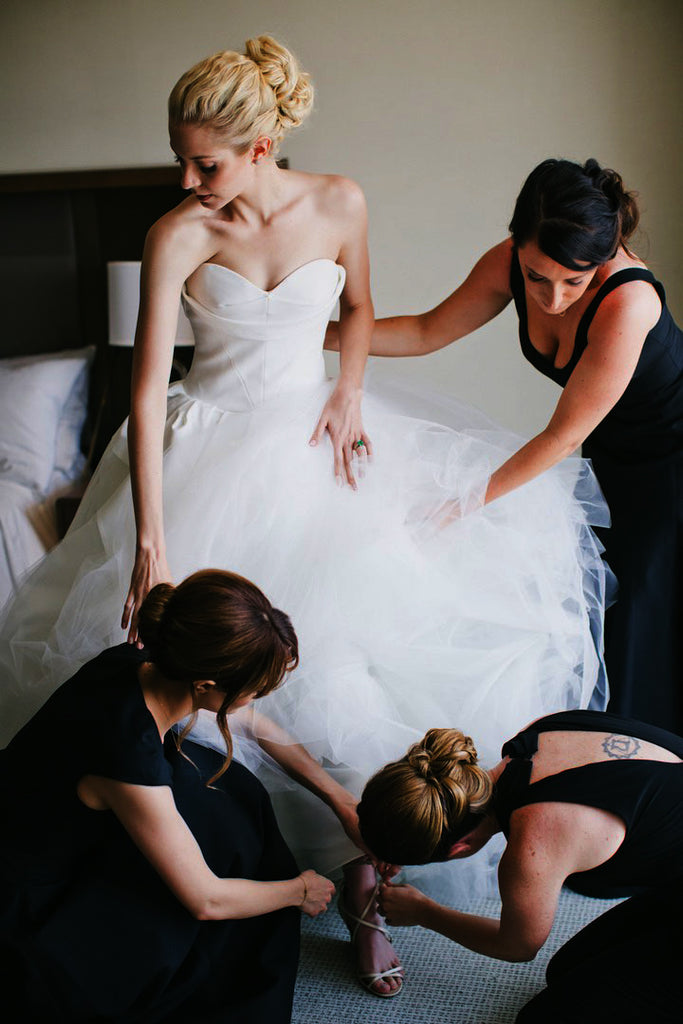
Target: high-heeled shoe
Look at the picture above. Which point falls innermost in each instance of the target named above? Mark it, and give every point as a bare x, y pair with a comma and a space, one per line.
353, 923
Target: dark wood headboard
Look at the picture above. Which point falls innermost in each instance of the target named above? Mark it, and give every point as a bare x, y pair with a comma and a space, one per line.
57, 233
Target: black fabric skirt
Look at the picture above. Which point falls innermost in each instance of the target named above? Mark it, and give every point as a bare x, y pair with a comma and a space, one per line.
115, 945
644, 628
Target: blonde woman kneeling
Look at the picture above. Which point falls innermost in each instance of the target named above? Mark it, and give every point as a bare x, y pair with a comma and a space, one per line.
584, 798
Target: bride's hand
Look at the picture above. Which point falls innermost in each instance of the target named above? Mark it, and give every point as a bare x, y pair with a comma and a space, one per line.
149, 569
341, 418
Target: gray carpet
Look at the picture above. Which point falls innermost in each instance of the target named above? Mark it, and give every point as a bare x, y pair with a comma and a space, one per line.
445, 984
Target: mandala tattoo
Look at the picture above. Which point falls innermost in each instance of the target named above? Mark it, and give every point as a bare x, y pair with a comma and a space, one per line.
621, 746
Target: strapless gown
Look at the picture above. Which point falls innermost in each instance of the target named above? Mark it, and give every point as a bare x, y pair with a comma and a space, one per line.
484, 624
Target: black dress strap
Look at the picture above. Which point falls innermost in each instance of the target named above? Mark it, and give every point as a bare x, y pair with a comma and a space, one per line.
612, 282
541, 362
525, 743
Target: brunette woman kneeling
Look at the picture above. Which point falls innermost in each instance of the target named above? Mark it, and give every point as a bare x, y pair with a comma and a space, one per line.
142, 879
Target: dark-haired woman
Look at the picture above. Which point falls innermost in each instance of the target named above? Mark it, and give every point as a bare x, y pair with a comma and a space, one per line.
592, 318
584, 798
143, 879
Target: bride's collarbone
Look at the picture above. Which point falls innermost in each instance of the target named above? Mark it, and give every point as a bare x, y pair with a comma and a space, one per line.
268, 255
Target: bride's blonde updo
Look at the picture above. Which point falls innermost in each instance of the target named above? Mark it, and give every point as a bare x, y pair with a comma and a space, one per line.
243, 96
413, 810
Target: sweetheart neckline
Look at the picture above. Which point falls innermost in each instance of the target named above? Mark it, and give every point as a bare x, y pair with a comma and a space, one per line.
269, 291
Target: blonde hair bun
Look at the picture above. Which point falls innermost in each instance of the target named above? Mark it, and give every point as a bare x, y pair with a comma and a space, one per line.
279, 67
243, 96
409, 806
442, 755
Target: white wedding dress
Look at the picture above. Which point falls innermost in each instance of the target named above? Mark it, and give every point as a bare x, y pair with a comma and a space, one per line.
403, 623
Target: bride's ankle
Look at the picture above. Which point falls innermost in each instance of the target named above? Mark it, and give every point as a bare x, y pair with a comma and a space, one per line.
360, 873
360, 882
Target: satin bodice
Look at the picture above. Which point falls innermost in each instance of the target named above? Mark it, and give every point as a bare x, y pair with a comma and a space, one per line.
253, 345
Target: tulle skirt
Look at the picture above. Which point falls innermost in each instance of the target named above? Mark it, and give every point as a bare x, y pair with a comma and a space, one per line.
415, 606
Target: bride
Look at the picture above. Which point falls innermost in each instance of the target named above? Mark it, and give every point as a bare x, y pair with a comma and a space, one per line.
408, 618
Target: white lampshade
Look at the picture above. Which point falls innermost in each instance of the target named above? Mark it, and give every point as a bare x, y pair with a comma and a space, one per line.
123, 283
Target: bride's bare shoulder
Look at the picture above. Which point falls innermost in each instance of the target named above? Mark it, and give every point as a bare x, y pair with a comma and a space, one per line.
186, 228
188, 217
332, 195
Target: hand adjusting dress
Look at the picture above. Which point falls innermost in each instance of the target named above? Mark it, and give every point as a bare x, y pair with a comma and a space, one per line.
487, 622
88, 930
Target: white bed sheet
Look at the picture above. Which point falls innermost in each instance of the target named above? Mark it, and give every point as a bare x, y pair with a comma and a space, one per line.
21, 545
43, 405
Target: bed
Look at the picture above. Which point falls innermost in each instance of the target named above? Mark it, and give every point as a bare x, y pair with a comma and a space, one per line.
63, 390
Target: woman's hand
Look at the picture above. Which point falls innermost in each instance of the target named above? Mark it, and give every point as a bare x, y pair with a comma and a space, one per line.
341, 418
401, 904
317, 893
436, 516
387, 871
150, 568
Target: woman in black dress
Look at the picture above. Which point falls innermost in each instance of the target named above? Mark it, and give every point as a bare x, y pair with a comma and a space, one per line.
142, 878
584, 798
592, 318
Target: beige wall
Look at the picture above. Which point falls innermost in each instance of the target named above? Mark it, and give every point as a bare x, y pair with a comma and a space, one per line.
438, 108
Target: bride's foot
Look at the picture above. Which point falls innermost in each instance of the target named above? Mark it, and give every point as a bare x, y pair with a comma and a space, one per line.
378, 968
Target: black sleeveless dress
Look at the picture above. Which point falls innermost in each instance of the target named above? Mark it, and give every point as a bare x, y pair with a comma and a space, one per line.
637, 455
646, 795
88, 931
625, 965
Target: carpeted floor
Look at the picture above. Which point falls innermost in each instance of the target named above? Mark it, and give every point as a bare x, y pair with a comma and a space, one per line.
445, 984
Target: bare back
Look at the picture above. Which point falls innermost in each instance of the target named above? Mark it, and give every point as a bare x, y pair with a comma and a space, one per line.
577, 792
559, 751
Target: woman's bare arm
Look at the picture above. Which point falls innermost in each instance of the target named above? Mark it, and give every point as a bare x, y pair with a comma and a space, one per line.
481, 297
615, 341
355, 305
538, 858
149, 815
171, 254
341, 417
296, 762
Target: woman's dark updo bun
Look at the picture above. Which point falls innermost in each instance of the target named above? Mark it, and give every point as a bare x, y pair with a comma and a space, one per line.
611, 184
577, 215
151, 613
218, 626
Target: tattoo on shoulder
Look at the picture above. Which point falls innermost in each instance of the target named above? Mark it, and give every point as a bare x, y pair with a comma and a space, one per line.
621, 746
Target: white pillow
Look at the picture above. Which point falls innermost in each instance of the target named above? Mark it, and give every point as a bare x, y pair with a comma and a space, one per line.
42, 410
69, 459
